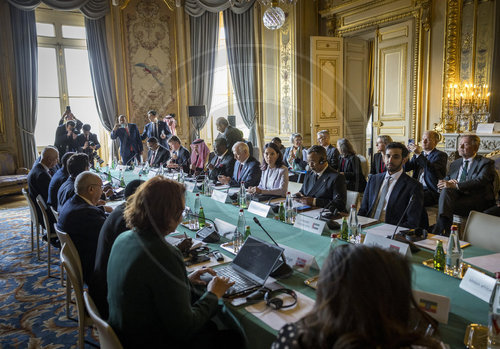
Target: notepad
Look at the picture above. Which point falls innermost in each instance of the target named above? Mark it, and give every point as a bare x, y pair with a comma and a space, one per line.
490, 262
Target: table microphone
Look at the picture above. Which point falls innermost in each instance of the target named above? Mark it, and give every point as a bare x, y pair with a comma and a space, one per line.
401, 219
207, 234
284, 270
399, 237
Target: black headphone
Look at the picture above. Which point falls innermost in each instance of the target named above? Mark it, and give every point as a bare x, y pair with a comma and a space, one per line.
277, 303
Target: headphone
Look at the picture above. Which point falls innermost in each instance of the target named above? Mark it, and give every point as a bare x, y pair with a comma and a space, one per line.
322, 161
277, 303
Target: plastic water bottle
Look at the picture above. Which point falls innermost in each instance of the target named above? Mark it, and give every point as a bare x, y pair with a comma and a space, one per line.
353, 224
113, 163
161, 170
242, 196
181, 177
240, 231
494, 317
197, 205
289, 211
454, 254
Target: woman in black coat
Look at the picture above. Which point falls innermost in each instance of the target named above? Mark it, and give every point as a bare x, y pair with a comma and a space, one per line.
350, 166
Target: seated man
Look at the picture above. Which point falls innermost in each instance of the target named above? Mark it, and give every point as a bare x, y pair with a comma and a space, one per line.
223, 161
230, 133
428, 165
77, 163
156, 128
157, 154
58, 179
87, 143
387, 194
332, 153
246, 169
82, 220
323, 186
179, 155
468, 185
112, 227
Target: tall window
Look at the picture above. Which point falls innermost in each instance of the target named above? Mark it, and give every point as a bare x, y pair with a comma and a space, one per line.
63, 73
223, 98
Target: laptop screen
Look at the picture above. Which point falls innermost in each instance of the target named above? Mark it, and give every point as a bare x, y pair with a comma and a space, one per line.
256, 259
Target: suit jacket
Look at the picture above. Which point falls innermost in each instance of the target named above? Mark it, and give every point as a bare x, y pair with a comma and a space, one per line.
301, 162
64, 143
80, 142
333, 155
130, 142
353, 173
83, 223
480, 177
404, 188
38, 184
162, 156
329, 187
183, 158
232, 135
149, 132
65, 192
250, 173
55, 183
225, 167
376, 166
434, 166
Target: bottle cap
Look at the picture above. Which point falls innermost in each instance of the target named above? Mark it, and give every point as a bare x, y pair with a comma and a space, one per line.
247, 227
287, 192
497, 275
454, 227
241, 210
197, 194
353, 206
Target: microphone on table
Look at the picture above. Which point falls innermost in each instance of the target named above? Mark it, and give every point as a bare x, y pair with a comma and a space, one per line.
207, 234
400, 237
284, 270
401, 219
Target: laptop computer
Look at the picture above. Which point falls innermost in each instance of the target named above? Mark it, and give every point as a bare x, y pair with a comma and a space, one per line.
251, 266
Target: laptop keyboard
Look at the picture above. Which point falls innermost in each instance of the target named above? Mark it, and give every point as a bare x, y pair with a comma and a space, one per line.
241, 283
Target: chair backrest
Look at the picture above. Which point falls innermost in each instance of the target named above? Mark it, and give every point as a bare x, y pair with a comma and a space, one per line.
43, 208
107, 337
482, 230
364, 164
65, 239
294, 187
31, 205
351, 199
55, 213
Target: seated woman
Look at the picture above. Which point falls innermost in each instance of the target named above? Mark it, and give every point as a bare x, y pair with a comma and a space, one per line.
274, 179
350, 166
363, 300
150, 296
295, 157
199, 156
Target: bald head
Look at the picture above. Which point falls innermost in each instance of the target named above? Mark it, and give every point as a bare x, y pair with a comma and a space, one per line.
241, 151
50, 156
89, 186
430, 139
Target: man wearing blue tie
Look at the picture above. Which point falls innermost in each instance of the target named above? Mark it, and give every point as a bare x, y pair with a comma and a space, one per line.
246, 169
157, 129
468, 185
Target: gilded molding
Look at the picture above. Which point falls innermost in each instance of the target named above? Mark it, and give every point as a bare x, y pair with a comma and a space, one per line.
287, 100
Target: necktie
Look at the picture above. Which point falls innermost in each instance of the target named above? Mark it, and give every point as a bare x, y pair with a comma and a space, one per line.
155, 130
239, 172
152, 158
217, 163
379, 206
463, 176
382, 164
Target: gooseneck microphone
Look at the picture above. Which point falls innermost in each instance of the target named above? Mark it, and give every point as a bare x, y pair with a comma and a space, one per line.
401, 219
284, 270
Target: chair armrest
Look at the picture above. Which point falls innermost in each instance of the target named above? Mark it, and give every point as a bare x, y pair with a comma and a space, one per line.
22, 170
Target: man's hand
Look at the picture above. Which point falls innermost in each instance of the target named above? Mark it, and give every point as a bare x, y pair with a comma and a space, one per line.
219, 286
107, 209
452, 183
194, 277
307, 200
412, 147
174, 156
224, 179
86, 145
210, 167
117, 126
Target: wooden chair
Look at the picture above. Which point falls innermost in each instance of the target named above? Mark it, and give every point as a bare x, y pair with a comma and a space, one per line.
483, 230
107, 336
34, 222
71, 263
48, 228
55, 213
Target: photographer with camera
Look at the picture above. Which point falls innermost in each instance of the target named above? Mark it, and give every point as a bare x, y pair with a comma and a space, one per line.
89, 144
67, 116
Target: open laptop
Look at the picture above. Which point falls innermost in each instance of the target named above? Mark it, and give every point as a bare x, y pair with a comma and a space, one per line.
251, 266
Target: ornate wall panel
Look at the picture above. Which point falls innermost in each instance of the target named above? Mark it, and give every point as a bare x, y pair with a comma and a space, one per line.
393, 82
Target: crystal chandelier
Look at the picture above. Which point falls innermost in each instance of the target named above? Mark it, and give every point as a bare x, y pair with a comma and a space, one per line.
274, 17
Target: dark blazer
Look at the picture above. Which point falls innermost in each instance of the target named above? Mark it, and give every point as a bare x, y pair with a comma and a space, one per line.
64, 143
183, 158
302, 163
434, 166
333, 157
83, 223
149, 132
38, 184
225, 168
353, 173
55, 183
162, 156
404, 188
378, 164
232, 135
65, 192
78, 126
250, 173
329, 187
81, 139
128, 140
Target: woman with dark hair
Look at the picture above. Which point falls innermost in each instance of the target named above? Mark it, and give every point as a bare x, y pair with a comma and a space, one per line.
363, 300
274, 179
150, 296
350, 166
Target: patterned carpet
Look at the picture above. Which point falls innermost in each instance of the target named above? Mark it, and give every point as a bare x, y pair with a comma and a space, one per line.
32, 305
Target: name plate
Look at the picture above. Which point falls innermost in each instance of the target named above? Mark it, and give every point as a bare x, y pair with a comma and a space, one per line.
120, 167
219, 196
258, 208
190, 186
309, 224
383, 242
299, 260
435, 305
136, 170
478, 284
224, 228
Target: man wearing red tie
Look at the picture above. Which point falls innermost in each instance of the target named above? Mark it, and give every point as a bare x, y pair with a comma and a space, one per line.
130, 140
246, 169
157, 154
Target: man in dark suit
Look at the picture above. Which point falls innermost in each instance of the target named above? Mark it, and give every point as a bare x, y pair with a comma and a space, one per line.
468, 185
378, 160
88, 143
387, 194
156, 128
323, 186
246, 169
157, 154
77, 163
39, 179
179, 156
230, 133
332, 153
130, 140
66, 138
83, 220
57, 180
223, 161
111, 229
428, 165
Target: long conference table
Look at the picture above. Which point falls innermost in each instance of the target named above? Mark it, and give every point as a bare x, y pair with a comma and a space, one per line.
465, 308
